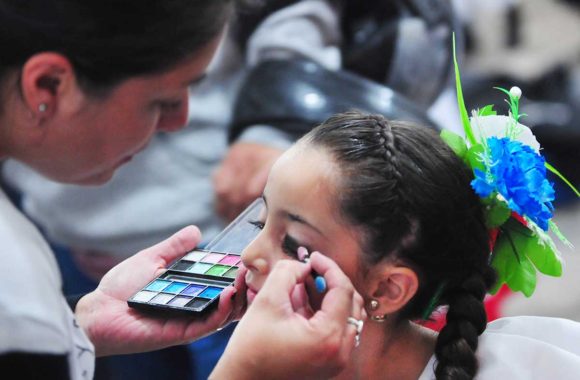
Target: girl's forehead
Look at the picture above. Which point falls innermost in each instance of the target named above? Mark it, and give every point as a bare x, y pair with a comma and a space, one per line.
303, 180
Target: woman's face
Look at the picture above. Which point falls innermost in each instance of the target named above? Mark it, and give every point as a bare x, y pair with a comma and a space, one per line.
97, 135
301, 210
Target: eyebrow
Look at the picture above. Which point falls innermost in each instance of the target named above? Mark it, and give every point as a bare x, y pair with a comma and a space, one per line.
296, 218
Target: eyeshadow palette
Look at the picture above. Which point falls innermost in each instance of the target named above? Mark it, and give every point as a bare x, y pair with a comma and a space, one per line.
192, 285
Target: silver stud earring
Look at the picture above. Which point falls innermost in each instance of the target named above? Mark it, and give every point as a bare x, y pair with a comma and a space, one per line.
379, 318
374, 304
42, 107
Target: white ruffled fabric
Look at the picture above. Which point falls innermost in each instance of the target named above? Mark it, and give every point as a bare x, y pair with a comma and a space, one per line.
526, 348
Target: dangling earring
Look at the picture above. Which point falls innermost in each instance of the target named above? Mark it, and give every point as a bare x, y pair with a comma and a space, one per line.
374, 305
42, 107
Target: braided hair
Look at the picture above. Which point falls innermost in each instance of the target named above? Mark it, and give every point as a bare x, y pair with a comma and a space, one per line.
411, 196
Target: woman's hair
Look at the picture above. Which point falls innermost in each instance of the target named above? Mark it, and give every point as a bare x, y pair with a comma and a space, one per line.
108, 41
411, 197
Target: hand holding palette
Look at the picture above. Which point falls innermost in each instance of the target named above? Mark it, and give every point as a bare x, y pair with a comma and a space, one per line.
192, 285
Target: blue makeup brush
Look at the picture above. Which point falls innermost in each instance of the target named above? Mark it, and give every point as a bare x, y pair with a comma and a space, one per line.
319, 281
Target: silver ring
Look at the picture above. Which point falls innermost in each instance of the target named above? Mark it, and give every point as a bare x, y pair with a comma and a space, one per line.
359, 326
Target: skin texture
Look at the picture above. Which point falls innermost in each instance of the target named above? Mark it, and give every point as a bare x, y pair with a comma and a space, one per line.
301, 196
83, 139
316, 346
114, 328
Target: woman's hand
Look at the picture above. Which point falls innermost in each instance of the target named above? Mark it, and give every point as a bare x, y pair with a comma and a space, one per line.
115, 328
275, 340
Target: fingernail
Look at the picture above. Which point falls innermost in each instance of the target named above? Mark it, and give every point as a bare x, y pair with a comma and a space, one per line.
303, 254
320, 284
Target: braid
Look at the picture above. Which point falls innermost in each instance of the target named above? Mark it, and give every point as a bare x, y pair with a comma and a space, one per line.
387, 140
411, 196
466, 320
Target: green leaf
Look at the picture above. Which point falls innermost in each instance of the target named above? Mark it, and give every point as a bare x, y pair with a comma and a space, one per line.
473, 157
497, 213
556, 172
544, 258
523, 278
513, 267
456, 142
542, 254
460, 101
487, 111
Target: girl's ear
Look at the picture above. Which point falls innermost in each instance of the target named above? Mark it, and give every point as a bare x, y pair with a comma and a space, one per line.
392, 286
48, 83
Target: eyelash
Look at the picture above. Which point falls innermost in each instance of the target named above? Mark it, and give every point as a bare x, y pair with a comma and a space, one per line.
170, 106
289, 244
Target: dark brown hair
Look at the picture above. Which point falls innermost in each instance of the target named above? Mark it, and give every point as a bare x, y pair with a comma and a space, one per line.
108, 41
411, 196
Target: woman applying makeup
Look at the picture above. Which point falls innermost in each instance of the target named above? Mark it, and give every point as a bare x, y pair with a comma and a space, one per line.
393, 206
83, 87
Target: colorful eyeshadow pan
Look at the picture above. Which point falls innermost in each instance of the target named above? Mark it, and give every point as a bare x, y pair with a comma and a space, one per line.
198, 303
232, 272
230, 260
194, 256
158, 285
218, 270
200, 268
180, 301
213, 258
162, 298
211, 292
144, 296
193, 284
182, 265
176, 287
193, 290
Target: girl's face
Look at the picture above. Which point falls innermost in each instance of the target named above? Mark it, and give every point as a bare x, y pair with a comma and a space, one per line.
301, 210
92, 137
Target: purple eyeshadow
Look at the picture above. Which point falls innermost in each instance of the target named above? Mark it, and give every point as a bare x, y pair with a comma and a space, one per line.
193, 290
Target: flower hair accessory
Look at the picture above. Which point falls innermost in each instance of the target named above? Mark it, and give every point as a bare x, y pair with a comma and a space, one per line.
510, 177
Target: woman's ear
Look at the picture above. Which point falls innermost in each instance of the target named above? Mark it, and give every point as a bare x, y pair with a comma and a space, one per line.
392, 286
48, 81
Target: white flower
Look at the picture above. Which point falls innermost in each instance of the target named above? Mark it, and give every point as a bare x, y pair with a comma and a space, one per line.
485, 127
516, 92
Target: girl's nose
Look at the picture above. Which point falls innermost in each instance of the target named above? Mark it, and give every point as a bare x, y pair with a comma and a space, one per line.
253, 255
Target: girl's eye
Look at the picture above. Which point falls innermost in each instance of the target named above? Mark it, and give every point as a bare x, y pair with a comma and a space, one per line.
290, 247
256, 223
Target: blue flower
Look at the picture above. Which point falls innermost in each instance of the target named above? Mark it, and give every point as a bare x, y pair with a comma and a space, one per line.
518, 174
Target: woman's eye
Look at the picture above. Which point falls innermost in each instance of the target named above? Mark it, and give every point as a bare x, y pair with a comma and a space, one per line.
170, 106
256, 223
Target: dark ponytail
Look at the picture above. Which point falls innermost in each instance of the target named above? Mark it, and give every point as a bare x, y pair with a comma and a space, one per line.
466, 320
411, 196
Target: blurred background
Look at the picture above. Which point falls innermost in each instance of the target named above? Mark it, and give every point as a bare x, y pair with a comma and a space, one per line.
534, 44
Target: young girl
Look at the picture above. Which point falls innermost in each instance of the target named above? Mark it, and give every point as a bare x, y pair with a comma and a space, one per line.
392, 204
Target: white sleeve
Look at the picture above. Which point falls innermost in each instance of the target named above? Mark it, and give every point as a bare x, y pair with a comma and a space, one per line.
308, 29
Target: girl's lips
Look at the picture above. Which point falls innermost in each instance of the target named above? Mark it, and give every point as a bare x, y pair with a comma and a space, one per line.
250, 295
